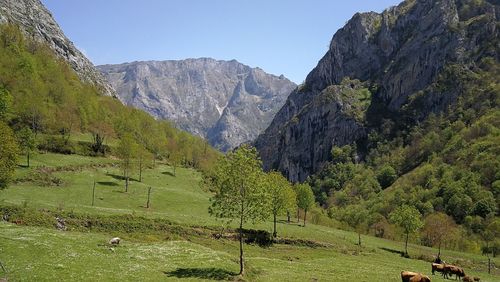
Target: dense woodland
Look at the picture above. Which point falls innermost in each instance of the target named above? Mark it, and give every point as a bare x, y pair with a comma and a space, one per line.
446, 166
43, 104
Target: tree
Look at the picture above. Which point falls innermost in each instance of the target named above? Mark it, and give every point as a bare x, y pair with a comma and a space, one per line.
8, 154
175, 160
356, 217
491, 233
142, 156
237, 182
282, 196
407, 218
436, 227
5, 102
26, 140
386, 176
342, 154
305, 198
127, 150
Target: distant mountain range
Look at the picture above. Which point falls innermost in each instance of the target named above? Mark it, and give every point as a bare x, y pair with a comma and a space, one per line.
226, 102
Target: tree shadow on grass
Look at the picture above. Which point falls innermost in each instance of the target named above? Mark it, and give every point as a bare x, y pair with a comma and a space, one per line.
211, 273
168, 173
120, 177
392, 251
107, 183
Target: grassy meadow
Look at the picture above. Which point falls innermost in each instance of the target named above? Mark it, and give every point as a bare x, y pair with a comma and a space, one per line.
42, 253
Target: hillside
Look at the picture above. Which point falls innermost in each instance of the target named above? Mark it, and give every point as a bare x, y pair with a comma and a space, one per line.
38, 24
175, 238
402, 110
226, 102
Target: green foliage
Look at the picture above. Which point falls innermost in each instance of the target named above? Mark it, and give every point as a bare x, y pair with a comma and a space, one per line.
386, 176
305, 196
240, 194
356, 216
5, 103
8, 155
27, 141
407, 218
281, 193
447, 162
342, 154
282, 196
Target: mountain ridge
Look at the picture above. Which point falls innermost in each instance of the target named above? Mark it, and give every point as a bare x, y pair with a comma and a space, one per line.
398, 54
226, 102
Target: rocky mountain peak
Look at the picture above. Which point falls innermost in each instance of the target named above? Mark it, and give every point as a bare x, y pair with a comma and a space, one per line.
397, 53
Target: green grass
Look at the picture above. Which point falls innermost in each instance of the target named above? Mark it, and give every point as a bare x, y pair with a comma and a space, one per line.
43, 254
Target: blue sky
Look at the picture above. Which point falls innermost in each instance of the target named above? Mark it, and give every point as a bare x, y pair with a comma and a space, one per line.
280, 36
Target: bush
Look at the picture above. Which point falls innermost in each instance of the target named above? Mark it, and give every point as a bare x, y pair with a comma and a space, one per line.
56, 144
259, 237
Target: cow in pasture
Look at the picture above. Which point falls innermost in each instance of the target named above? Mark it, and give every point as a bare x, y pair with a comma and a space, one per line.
451, 269
115, 241
436, 267
409, 276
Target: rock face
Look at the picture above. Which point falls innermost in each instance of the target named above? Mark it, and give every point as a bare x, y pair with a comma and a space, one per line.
37, 22
224, 101
397, 55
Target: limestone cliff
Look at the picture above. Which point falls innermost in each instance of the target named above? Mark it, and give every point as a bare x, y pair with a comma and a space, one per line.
397, 55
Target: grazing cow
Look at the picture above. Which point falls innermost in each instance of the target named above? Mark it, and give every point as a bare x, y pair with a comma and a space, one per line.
437, 267
451, 269
114, 241
408, 276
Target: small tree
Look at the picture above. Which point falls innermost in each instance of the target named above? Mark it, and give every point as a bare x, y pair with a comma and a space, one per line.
305, 198
239, 191
175, 160
408, 218
386, 176
282, 195
356, 216
490, 233
27, 144
127, 150
436, 227
143, 155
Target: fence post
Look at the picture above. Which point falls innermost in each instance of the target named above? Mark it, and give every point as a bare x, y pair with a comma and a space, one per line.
149, 196
93, 194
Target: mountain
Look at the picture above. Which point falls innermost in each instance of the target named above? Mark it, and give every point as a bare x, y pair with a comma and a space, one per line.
226, 102
38, 24
381, 74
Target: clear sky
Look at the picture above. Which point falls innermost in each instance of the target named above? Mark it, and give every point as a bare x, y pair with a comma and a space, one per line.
280, 36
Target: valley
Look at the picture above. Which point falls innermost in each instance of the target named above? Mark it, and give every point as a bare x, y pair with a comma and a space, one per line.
385, 159
189, 250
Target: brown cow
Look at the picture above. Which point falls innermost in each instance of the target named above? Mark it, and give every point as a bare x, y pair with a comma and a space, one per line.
437, 267
408, 276
451, 269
